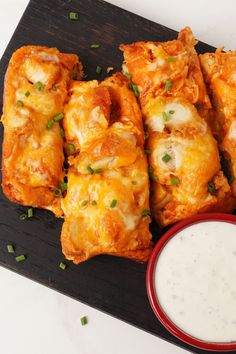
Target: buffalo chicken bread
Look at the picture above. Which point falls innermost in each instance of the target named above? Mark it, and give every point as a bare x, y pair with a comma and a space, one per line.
220, 73
106, 207
34, 95
183, 155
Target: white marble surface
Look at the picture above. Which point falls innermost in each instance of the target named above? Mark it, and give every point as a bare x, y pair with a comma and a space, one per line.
37, 320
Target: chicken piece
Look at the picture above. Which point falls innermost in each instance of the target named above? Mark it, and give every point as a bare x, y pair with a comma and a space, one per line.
35, 91
184, 159
107, 203
219, 69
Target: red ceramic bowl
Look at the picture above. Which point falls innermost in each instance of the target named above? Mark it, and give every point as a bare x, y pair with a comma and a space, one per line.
160, 314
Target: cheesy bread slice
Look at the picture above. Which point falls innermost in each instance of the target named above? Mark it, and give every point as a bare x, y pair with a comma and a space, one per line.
107, 203
219, 69
184, 159
35, 91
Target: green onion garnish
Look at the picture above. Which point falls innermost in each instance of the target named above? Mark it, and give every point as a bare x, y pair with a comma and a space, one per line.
171, 112
30, 212
231, 180
50, 124
39, 86
145, 212
198, 106
20, 103
90, 170
62, 266
58, 117
74, 16
134, 88
94, 46
128, 76
113, 203
98, 69
84, 202
23, 217
171, 59
98, 170
166, 158
54, 88
174, 180
71, 148
165, 117
57, 192
94, 202
27, 94
84, 320
147, 152
211, 187
63, 186
168, 85
62, 133
151, 173
20, 258
10, 249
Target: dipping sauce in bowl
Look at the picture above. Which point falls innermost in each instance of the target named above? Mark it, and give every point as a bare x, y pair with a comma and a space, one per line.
191, 281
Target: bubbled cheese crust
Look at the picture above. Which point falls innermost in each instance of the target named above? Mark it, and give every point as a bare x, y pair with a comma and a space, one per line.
116, 149
176, 130
33, 157
220, 72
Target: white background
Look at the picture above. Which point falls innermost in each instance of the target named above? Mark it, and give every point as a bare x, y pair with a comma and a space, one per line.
37, 320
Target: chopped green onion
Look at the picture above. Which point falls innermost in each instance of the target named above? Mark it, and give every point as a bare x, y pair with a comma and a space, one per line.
98, 170
168, 85
30, 212
134, 88
128, 76
113, 203
94, 202
74, 16
20, 258
84, 202
174, 180
94, 46
98, 70
54, 88
27, 94
39, 86
145, 212
198, 106
90, 170
171, 59
23, 217
165, 117
231, 180
63, 186
20, 103
166, 158
171, 111
62, 133
211, 187
151, 173
50, 124
58, 117
62, 266
71, 148
10, 249
57, 192
147, 152
84, 320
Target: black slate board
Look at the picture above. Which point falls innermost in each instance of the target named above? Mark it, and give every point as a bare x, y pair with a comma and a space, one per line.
115, 286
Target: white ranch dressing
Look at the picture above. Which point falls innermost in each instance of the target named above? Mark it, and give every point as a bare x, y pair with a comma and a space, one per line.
195, 280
